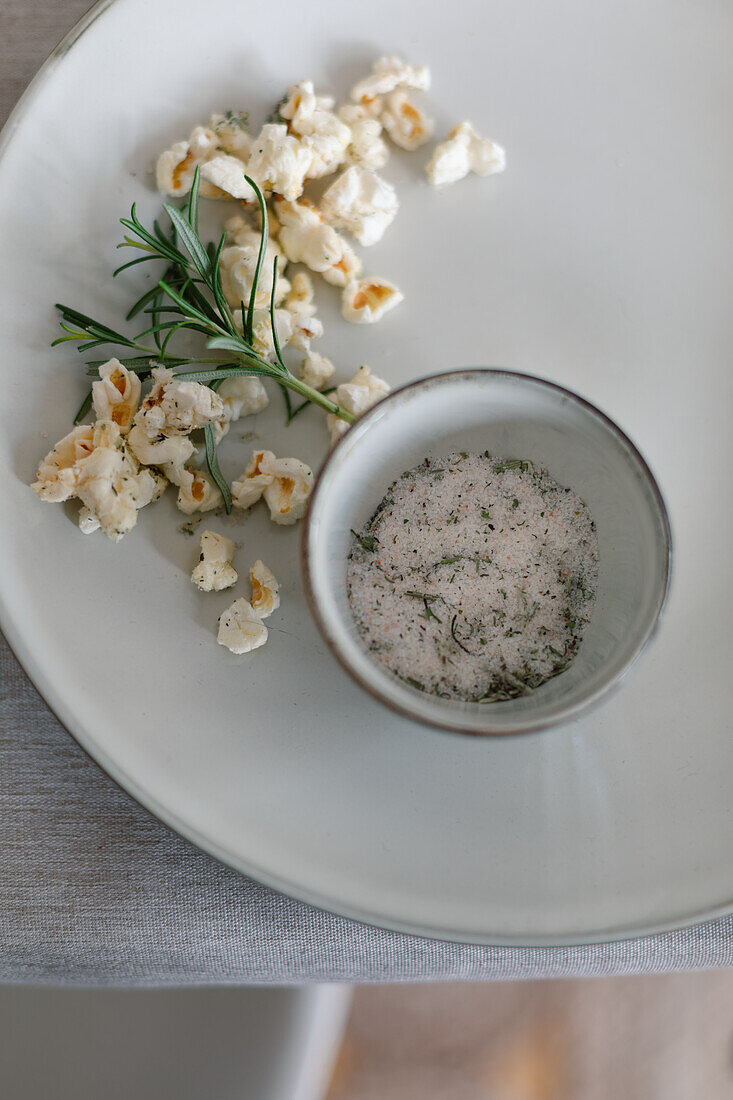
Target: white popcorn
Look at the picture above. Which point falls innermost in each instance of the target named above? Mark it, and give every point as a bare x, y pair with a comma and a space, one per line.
300, 298
316, 370
249, 487
175, 168
237, 265
58, 473
320, 131
462, 152
356, 396
361, 202
241, 629
227, 174
406, 124
116, 394
304, 330
367, 147
306, 238
88, 522
165, 451
389, 73
232, 135
265, 590
196, 492
262, 338
367, 301
279, 162
287, 493
174, 407
243, 397
214, 570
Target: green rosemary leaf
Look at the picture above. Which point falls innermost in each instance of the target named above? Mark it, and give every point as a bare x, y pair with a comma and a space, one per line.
193, 200
84, 408
212, 461
133, 263
260, 257
367, 542
190, 238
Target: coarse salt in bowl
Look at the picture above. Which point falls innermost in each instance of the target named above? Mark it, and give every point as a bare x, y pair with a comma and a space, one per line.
513, 416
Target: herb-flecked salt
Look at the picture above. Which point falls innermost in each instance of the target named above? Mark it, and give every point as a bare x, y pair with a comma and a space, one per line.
475, 578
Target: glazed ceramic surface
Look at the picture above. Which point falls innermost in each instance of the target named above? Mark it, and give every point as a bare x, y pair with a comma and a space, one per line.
601, 259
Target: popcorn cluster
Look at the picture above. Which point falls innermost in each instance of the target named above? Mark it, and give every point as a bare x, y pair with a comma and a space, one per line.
140, 445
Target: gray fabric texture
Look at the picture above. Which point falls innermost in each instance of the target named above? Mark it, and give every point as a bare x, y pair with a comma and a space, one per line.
96, 891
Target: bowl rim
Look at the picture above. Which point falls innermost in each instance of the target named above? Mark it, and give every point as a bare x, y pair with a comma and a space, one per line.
455, 727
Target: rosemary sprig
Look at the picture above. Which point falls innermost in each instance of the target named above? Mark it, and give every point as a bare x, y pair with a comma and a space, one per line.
190, 295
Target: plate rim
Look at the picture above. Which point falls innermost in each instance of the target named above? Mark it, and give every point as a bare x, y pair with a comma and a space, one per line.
21, 652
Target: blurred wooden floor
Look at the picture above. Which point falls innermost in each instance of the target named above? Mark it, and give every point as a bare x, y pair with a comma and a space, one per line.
657, 1038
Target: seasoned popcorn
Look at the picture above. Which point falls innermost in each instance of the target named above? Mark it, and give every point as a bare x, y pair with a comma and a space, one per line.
241, 629
265, 590
356, 396
361, 202
214, 570
116, 394
196, 491
406, 124
287, 493
232, 134
462, 152
249, 487
367, 146
389, 73
367, 300
174, 407
279, 162
58, 474
306, 238
316, 370
162, 450
319, 129
175, 168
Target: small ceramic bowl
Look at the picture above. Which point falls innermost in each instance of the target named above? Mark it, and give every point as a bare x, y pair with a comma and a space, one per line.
514, 416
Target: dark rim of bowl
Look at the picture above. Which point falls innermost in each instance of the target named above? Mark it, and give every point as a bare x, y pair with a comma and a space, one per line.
582, 705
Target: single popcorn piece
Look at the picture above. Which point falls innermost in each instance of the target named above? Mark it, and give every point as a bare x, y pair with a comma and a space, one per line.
243, 397
174, 407
301, 103
462, 152
175, 167
164, 451
389, 73
279, 162
287, 493
361, 202
316, 370
301, 305
214, 570
364, 390
367, 300
196, 491
240, 628
306, 238
226, 173
265, 590
58, 473
367, 147
406, 124
249, 487
238, 262
116, 394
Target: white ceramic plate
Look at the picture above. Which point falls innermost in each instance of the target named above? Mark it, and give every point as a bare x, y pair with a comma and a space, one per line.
601, 259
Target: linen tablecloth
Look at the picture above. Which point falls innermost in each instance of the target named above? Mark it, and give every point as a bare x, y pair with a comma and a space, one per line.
96, 891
